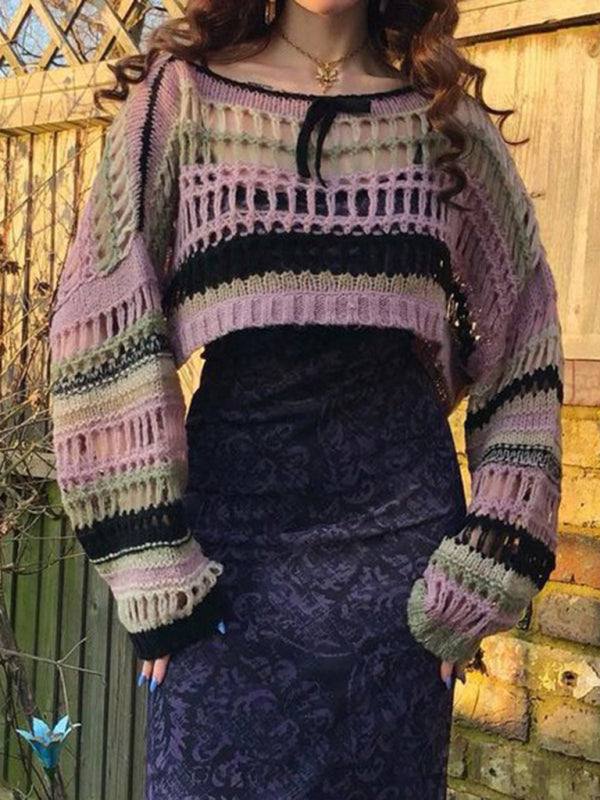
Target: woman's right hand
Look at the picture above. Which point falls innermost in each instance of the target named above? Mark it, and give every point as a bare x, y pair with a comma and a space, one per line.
154, 671
452, 669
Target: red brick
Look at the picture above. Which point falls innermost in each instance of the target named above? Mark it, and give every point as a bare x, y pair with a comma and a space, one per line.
578, 560
459, 794
493, 707
524, 773
457, 764
567, 727
546, 668
566, 615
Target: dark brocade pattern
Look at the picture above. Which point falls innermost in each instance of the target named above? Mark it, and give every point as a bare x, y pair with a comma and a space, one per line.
323, 474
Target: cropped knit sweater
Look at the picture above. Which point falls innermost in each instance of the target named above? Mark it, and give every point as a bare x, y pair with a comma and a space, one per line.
220, 205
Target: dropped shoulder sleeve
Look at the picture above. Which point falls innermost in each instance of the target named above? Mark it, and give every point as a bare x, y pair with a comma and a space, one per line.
117, 407
480, 580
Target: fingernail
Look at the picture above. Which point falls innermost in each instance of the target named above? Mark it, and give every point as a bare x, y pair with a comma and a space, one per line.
448, 682
153, 684
221, 627
141, 678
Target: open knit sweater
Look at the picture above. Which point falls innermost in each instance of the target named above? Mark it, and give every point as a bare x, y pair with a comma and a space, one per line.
220, 205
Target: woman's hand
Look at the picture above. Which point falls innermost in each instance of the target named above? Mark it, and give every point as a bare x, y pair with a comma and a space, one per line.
154, 671
450, 668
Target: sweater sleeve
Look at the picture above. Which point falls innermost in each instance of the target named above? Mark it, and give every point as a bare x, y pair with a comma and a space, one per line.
117, 408
480, 580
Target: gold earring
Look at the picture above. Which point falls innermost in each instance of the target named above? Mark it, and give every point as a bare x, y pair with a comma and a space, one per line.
269, 11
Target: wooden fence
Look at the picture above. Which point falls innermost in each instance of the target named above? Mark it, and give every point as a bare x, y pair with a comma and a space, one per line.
543, 59
50, 144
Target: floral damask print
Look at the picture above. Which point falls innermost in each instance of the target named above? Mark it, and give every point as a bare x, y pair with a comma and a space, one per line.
322, 475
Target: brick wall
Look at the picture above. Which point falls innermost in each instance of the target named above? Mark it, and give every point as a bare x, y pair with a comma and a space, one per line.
530, 728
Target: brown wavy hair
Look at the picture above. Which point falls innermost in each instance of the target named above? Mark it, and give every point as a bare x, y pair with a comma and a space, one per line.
416, 34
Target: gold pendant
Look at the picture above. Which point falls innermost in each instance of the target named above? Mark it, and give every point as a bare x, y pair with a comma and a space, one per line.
327, 75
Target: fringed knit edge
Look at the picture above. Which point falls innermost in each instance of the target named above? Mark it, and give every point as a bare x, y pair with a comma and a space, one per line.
141, 611
438, 639
202, 622
463, 590
490, 581
110, 496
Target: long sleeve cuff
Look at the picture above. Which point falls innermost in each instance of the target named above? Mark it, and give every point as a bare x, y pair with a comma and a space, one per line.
202, 623
463, 596
441, 640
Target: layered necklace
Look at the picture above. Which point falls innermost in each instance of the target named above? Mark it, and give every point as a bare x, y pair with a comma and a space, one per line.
327, 72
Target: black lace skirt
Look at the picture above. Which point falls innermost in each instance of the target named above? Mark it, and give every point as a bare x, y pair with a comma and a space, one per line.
323, 474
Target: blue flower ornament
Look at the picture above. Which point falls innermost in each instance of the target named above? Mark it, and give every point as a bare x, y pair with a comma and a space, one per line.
47, 743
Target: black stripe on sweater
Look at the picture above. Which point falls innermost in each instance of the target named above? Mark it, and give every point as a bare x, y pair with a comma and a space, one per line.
524, 455
542, 379
133, 531
124, 359
391, 254
512, 546
147, 140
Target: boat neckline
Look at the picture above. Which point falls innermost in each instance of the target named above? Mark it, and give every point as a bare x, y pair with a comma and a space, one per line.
263, 89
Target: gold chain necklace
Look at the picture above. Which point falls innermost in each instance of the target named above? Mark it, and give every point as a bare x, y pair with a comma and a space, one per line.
327, 73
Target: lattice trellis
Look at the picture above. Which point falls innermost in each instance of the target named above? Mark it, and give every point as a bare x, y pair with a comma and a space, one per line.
42, 34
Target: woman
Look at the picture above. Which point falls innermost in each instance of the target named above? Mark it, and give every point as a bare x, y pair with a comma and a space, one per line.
294, 560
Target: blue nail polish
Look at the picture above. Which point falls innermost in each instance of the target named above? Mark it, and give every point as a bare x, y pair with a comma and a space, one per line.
153, 684
141, 678
221, 627
448, 682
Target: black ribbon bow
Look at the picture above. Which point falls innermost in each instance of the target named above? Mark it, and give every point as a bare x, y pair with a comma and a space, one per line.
324, 109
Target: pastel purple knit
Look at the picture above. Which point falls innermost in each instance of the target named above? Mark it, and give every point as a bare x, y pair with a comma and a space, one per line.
205, 218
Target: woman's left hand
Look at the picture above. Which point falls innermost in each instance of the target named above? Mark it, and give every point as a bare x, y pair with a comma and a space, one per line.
450, 669
154, 671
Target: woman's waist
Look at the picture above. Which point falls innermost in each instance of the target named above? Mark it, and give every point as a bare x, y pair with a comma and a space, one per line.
292, 340
313, 421
264, 373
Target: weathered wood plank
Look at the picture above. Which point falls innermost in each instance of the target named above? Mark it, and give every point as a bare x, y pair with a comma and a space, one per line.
18, 239
6, 170
41, 224
24, 607
67, 180
51, 99
121, 712
559, 109
138, 728
72, 630
94, 735
40, 274
502, 17
47, 628
91, 777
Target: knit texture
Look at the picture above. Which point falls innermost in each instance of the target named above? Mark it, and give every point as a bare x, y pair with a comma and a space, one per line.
202, 220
